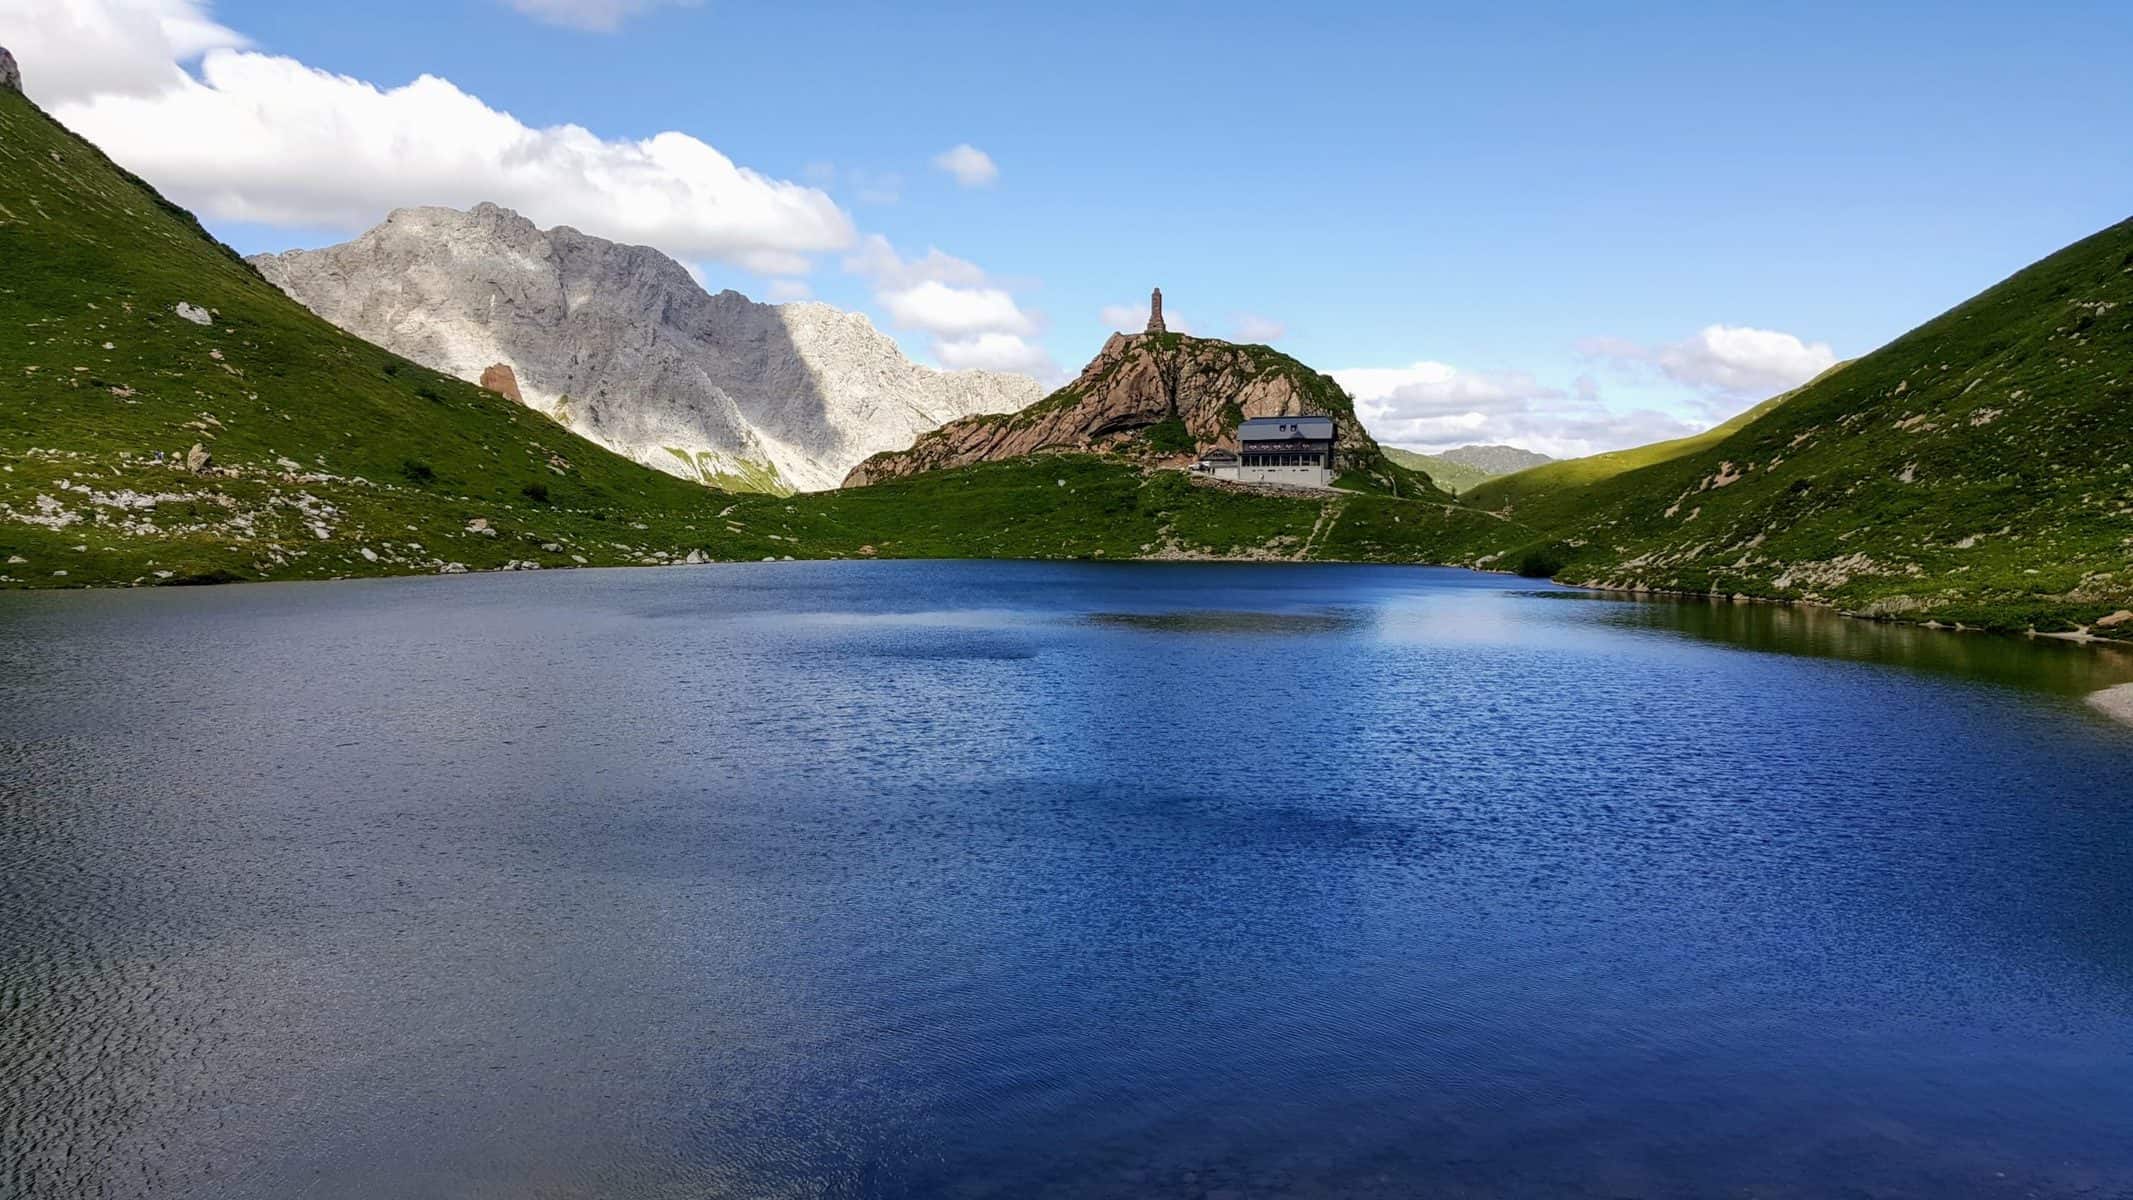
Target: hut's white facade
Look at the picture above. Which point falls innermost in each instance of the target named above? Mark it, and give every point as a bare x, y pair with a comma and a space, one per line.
1293, 450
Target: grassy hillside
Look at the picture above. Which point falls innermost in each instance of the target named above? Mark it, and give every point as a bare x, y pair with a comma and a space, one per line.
1097, 506
329, 456
1463, 468
1978, 469
1506, 493
1454, 477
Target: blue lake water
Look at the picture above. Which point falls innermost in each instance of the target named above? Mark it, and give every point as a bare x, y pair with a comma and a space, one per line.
1025, 880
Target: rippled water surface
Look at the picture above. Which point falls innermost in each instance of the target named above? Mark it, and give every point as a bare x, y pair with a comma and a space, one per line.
1020, 880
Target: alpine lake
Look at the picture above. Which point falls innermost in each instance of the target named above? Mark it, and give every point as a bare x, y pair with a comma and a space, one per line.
996, 879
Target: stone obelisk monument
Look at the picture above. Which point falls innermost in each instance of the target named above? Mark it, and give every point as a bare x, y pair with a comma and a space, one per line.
1155, 313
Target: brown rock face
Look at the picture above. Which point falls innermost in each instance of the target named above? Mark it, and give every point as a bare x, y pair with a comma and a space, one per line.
1137, 381
500, 379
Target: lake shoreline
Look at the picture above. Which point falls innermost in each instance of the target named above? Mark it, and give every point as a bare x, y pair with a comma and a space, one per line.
810, 853
2084, 636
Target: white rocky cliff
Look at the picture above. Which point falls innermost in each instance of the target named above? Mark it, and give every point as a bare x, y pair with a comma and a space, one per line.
622, 345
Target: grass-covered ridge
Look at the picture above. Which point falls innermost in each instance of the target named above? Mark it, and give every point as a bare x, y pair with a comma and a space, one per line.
1506, 493
1100, 506
333, 458
1978, 469
329, 456
1452, 477
1455, 477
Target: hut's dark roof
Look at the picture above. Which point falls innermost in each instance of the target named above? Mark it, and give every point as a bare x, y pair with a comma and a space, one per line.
1285, 429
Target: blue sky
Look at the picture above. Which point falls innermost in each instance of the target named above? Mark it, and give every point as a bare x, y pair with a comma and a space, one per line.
1527, 221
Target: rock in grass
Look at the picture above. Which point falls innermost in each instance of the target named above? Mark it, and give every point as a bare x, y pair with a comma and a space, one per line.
501, 379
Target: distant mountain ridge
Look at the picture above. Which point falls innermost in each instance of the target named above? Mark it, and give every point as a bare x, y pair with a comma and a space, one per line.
1495, 459
621, 344
1559, 474
1464, 467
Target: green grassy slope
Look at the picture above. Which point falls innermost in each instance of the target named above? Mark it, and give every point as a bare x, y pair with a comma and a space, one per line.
324, 447
1079, 505
333, 458
1978, 469
1506, 493
1458, 478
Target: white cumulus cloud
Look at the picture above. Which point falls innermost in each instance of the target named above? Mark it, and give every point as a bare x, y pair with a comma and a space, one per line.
600, 16
974, 321
971, 166
1251, 327
996, 352
956, 311
267, 139
876, 258
73, 49
1725, 362
1436, 406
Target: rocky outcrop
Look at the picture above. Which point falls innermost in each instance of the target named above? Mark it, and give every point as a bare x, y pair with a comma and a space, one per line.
499, 378
10, 74
622, 345
1136, 383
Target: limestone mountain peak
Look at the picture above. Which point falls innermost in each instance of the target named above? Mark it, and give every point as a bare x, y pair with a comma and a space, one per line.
623, 345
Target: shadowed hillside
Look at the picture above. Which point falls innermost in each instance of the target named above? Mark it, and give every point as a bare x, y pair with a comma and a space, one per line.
173, 417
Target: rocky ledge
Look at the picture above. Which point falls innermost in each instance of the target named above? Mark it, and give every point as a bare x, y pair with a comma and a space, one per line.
1162, 397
